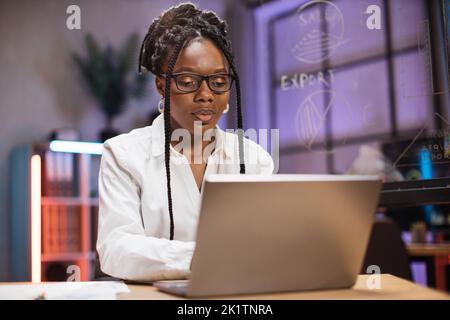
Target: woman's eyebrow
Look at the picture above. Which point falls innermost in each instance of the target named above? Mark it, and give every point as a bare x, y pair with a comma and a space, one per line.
188, 69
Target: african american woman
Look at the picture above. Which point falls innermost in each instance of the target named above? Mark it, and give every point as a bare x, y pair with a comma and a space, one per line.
150, 187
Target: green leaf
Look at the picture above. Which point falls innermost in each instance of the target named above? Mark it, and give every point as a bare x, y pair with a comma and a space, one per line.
108, 74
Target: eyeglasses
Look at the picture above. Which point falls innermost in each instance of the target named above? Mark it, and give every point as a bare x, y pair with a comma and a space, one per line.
191, 82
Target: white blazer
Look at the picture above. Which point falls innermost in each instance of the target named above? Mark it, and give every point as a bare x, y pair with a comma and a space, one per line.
134, 226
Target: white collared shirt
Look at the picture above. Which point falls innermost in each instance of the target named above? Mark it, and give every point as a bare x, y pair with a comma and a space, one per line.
134, 225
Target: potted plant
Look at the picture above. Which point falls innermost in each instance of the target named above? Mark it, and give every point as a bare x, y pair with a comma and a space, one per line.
108, 74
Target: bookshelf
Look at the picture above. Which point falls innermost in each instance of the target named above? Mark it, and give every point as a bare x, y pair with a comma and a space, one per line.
54, 213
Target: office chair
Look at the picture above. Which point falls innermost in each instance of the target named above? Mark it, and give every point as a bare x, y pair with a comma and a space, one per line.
387, 250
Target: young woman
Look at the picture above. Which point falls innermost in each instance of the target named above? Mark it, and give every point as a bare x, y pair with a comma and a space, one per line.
149, 188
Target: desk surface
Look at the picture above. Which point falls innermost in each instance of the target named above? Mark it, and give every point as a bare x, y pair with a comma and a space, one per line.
391, 288
428, 249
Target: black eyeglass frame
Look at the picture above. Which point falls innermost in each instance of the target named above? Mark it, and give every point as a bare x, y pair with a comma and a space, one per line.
202, 77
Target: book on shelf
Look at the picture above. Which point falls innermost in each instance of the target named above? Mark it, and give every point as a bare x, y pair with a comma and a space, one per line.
53, 229
61, 229
59, 172
74, 229
45, 222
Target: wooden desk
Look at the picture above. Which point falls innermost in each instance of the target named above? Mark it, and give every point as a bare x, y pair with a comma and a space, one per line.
391, 288
436, 257
429, 249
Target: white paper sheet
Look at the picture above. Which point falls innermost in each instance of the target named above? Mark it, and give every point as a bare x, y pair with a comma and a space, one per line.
97, 290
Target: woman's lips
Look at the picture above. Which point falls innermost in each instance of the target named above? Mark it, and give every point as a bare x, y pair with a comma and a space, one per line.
204, 115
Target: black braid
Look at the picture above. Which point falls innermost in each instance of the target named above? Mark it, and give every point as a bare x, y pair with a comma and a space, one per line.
166, 37
167, 130
141, 52
240, 130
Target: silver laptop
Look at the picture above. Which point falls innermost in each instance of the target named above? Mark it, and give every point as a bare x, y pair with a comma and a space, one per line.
266, 234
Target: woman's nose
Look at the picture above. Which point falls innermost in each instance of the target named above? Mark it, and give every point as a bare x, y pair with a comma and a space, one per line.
204, 93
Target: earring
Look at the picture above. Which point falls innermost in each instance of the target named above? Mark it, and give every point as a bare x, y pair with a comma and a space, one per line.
161, 105
227, 108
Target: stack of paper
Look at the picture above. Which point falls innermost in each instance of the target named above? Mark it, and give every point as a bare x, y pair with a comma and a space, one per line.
97, 290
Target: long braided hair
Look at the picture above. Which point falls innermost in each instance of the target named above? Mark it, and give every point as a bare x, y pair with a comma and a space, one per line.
166, 37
